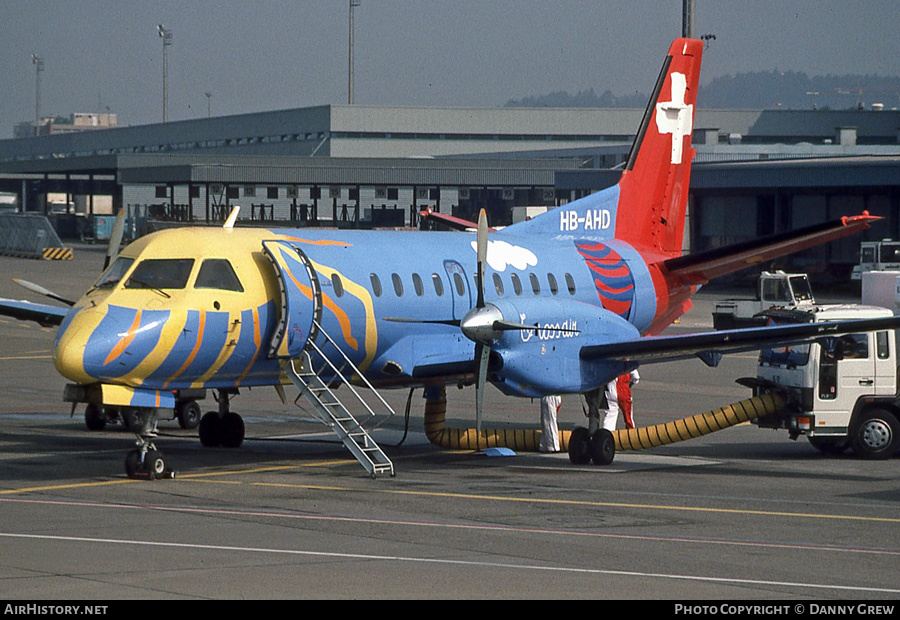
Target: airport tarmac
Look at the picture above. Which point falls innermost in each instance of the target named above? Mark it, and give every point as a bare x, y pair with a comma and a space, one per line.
740, 514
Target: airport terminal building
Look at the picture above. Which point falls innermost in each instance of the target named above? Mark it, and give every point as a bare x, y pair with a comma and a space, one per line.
756, 171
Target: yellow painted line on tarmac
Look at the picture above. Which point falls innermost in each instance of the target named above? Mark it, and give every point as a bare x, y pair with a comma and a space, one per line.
592, 504
72, 485
42, 354
215, 477
194, 477
258, 470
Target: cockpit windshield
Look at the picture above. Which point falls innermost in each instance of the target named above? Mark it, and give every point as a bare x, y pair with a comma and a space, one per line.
161, 273
114, 273
218, 273
802, 291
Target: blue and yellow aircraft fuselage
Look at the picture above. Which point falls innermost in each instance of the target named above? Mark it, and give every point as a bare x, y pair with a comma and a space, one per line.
202, 307
559, 304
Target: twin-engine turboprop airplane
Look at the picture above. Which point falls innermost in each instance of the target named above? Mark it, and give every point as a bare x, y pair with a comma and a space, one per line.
559, 304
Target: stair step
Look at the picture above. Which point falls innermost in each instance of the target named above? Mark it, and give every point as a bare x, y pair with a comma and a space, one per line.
333, 413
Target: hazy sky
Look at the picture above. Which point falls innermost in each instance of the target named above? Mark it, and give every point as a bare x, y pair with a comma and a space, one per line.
254, 55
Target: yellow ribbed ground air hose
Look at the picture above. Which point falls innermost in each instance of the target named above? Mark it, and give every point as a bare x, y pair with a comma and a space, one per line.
527, 440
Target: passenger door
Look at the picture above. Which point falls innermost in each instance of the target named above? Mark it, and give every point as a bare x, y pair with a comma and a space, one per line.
301, 299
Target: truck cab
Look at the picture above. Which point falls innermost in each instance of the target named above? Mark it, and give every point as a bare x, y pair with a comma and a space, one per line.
775, 289
881, 255
840, 391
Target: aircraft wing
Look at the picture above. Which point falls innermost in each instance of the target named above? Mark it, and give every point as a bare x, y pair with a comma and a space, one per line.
46, 315
710, 346
701, 267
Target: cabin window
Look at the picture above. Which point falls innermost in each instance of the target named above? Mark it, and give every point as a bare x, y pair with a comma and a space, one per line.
517, 285
161, 273
498, 284
438, 284
570, 284
417, 285
535, 283
219, 274
114, 274
376, 284
338, 285
551, 281
460, 285
398, 284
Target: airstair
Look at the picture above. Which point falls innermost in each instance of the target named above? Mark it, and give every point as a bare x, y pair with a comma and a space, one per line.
314, 374
300, 343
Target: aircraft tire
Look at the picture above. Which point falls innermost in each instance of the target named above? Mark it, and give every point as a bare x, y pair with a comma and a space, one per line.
210, 430
580, 446
189, 415
875, 434
94, 418
133, 464
154, 464
603, 447
231, 430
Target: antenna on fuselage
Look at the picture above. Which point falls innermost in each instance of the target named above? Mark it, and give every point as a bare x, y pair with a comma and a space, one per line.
229, 223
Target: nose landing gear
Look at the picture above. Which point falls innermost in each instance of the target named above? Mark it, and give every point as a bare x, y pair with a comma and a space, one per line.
145, 462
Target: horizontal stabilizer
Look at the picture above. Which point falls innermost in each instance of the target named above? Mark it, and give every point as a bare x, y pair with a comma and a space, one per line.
705, 344
454, 222
701, 267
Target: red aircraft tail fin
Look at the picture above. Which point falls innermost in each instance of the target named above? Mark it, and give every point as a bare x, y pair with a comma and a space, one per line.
654, 186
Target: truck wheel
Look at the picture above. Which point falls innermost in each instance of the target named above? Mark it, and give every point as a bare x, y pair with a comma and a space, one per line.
874, 434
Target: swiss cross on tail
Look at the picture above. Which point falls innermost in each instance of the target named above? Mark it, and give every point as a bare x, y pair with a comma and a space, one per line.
653, 195
676, 117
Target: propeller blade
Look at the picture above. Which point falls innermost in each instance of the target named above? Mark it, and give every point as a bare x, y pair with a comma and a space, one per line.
115, 239
482, 356
40, 290
504, 326
481, 251
403, 319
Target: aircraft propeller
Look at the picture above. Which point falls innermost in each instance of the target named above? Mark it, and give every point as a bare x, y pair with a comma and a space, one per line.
484, 324
40, 290
115, 239
112, 250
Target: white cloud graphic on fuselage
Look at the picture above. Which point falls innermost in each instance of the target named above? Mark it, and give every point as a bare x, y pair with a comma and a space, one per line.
501, 255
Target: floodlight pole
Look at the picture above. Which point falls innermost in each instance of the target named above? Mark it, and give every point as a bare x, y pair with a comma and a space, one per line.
687, 18
166, 36
353, 5
38, 63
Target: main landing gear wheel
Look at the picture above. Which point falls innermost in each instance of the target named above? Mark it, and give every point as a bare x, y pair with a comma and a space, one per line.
225, 430
94, 417
188, 414
603, 447
585, 447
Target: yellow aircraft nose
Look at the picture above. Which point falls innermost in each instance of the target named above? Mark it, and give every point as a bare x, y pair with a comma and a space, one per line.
71, 342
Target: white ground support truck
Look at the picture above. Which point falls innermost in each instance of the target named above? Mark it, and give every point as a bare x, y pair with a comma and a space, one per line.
776, 289
841, 392
881, 255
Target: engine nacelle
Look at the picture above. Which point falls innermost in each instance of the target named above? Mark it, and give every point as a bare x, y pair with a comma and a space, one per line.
545, 360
